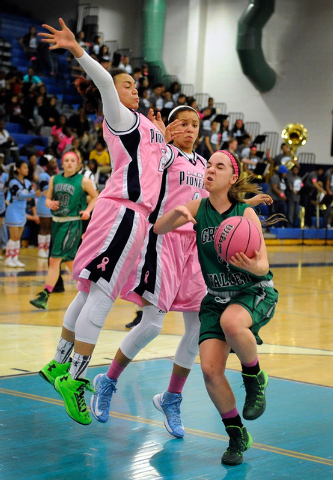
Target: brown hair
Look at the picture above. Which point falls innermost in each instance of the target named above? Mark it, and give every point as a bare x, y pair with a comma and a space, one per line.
88, 90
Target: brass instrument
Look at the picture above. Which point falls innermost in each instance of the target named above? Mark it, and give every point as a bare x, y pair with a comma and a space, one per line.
295, 135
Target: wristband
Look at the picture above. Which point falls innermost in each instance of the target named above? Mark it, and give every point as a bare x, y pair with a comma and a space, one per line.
281, 194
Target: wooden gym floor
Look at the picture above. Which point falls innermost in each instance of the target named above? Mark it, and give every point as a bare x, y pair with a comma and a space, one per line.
292, 439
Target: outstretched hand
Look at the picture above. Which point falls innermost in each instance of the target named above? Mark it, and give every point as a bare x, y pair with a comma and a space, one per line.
157, 120
171, 132
184, 211
63, 38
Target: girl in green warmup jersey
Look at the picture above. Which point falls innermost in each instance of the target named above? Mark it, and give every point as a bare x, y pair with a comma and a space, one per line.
67, 198
240, 298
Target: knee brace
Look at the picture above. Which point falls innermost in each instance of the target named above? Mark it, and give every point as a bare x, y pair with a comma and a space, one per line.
93, 315
74, 310
188, 348
149, 327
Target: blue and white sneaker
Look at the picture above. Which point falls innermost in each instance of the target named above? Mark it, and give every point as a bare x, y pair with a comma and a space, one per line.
100, 401
169, 404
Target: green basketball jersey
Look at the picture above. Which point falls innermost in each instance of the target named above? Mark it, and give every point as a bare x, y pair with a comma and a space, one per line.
70, 194
219, 275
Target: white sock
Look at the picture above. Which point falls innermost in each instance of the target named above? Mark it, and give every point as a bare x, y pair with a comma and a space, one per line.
41, 242
79, 366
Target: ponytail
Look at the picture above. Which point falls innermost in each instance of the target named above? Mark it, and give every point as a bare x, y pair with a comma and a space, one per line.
88, 90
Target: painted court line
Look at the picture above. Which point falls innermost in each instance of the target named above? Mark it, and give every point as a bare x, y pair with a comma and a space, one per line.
192, 431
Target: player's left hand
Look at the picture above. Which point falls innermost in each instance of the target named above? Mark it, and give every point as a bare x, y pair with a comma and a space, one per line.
84, 215
240, 260
157, 120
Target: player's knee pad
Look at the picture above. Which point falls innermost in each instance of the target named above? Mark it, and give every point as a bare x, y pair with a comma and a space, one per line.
74, 310
93, 315
149, 327
188, 348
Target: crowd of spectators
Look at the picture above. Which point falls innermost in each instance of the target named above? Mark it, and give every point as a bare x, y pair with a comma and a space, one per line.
24, 100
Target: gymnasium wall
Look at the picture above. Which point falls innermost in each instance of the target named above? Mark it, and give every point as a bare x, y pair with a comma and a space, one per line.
297, 43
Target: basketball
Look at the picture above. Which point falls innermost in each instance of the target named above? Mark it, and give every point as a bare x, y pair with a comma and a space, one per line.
236, 235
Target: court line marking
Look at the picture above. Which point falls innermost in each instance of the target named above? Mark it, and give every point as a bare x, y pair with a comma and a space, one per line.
192, 431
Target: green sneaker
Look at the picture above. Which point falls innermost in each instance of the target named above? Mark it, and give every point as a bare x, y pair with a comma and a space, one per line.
53, 370
41, 300
240, 441
72, 392
255, 402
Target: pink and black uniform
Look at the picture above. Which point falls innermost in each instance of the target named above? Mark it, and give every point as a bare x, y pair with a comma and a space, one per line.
167, 273
119, 224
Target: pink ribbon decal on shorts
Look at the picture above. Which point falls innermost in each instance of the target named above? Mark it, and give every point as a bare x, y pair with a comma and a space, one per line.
102, 265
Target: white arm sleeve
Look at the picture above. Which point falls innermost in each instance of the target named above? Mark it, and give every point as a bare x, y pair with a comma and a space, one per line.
117, 115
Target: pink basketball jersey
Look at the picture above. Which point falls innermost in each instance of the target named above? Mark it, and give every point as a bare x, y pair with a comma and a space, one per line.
138, 157
183, 181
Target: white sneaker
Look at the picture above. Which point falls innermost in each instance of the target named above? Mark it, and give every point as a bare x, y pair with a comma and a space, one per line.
42, 254
17, 262
10, 263
1, 257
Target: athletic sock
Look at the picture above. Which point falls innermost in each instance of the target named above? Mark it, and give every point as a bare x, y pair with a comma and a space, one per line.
64, 350
232, 419
79, 366
176, 384
48, 288
251, 368
115, 370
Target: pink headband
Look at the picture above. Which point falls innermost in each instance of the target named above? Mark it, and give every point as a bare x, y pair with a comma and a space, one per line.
233, 161
72, 153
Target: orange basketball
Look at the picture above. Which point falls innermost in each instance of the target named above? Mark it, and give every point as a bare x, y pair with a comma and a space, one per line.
236, 235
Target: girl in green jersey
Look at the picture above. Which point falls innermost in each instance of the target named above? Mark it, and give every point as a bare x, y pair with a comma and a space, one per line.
240, 298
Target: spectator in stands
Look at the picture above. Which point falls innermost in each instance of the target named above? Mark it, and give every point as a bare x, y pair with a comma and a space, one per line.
31, 82
311, 185
294, 184
29, 43
233, 144
95, 48
57, 131
225, 134
36, 120
137, 75
328, 186
75, 146
251, 160
13, 109
104, 53
238, 130
65, 140
205, 127
34, 169
125, 64
8, 146
106, 64
80, 38
2, 79
156, 98
100, 154
211, 107
182, 99
243, 149
49, 112
144, 103
175, 90
79, 124
192, 102
284, 156
211, 140
277, 189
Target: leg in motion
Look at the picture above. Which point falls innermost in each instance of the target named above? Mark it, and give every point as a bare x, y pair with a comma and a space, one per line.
235, 323
214, 354
169, 402
135, 340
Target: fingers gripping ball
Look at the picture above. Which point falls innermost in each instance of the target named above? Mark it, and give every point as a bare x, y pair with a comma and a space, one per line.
236, 235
